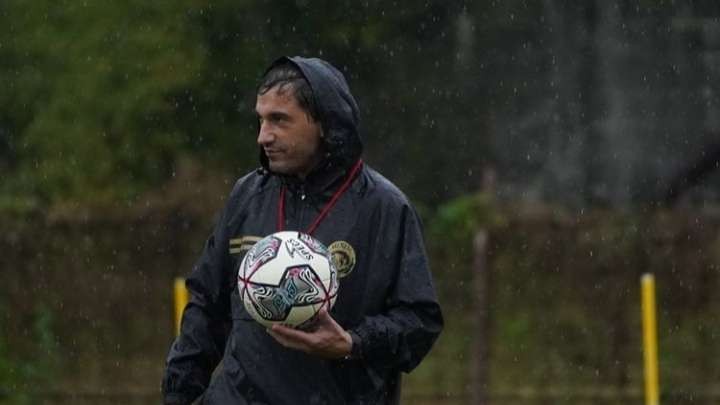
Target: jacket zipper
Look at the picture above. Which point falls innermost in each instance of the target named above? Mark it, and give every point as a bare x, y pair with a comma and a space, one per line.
301, 207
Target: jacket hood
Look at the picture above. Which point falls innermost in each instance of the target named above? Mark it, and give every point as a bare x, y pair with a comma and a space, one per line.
337, 108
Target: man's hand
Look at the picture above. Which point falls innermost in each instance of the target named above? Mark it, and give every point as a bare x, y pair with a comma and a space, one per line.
328, 340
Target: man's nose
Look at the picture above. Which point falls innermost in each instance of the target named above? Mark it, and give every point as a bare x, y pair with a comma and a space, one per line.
265, 135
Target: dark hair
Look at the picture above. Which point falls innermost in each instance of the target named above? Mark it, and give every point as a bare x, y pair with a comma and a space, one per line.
286, 75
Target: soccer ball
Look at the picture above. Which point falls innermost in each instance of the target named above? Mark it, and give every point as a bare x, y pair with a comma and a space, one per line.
286, 278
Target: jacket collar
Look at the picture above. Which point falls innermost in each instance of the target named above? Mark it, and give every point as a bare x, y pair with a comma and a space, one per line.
321, 182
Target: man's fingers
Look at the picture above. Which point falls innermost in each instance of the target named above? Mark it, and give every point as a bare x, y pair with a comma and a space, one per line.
324, 316
328, 340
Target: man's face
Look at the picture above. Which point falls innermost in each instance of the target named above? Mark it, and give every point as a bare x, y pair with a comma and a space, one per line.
290, 138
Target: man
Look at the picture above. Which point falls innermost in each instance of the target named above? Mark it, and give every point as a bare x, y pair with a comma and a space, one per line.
312, 179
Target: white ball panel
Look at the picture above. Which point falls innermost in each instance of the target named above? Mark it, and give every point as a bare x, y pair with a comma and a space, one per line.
271, 273
250, 308
299, 315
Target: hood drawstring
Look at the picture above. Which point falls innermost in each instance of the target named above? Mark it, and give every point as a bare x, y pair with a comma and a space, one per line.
326, 209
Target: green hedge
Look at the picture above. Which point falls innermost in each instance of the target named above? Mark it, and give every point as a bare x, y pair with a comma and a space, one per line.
563, 301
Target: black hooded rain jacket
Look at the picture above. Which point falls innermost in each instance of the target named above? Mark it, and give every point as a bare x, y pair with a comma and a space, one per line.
386, 300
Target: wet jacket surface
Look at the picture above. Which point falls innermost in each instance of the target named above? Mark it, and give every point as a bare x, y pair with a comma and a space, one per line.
387, 300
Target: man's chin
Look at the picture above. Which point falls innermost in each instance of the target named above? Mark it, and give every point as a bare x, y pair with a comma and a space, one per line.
280, 168
286, 170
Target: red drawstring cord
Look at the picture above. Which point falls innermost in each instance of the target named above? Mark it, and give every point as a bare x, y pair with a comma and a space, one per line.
326, 209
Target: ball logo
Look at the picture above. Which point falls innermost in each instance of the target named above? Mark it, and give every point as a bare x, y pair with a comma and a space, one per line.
313, 244
343, 257
295, 246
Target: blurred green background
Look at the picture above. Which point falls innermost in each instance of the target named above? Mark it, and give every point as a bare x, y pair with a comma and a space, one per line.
592, 127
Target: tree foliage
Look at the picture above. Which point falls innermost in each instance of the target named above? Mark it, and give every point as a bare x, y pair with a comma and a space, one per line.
90, 95
100, 101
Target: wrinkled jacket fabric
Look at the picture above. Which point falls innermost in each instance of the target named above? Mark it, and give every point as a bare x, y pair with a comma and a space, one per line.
387, 300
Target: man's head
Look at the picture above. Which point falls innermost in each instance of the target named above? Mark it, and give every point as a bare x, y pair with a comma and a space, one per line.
290, 132
308, 118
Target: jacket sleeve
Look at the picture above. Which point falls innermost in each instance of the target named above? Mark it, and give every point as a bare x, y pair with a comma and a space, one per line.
205, 322
403, 334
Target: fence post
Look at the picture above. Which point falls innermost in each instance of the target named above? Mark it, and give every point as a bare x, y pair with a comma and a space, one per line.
180, 295
652, 396
479, 374
479, 369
